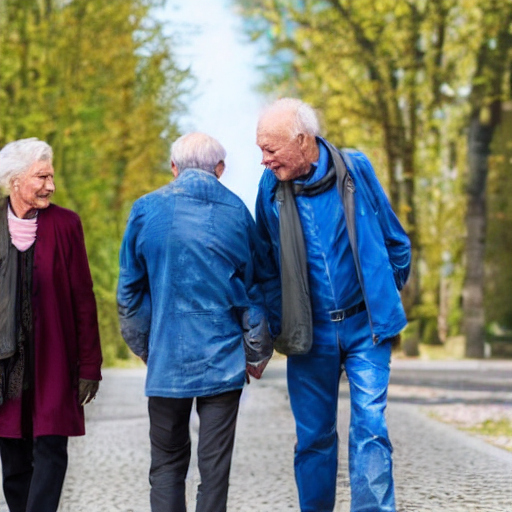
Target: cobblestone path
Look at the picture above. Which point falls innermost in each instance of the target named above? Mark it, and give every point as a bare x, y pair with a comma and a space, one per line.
437, 468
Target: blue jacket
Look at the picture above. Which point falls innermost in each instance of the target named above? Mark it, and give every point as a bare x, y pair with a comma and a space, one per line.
189, 287
381, 251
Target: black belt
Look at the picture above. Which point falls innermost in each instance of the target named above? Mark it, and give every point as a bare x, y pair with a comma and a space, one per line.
338, 315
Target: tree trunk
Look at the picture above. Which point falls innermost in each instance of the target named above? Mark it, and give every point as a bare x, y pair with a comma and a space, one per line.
479, 140
473, 291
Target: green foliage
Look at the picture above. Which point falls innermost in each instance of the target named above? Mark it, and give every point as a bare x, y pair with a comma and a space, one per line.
498, 296
490, 86
399, 79
97, 80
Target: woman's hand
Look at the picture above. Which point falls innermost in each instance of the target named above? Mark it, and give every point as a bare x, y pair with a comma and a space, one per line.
87, 390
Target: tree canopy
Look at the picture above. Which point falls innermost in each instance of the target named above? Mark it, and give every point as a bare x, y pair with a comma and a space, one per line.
98, 81
404, 80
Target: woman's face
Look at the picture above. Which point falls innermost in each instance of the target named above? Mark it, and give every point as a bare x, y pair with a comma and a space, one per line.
33, 189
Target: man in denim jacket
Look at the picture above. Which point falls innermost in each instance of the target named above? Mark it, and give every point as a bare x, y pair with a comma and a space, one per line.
190, 306
341, 257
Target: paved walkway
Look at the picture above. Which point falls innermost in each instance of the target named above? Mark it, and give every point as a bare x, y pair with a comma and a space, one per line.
437, 468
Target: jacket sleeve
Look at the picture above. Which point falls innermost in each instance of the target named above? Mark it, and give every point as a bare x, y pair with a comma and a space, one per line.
258, 342
397, 242
84, 306
133, 299
267, 231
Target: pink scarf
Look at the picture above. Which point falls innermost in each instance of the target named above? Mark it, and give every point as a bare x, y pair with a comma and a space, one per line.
22, 231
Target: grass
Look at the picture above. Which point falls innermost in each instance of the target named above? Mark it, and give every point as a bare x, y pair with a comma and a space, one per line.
496, 432
494, 428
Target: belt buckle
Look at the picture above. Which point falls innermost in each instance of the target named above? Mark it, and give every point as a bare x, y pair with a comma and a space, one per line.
338, 316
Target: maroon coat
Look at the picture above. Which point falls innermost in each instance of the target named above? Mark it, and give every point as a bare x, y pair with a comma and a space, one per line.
66, 337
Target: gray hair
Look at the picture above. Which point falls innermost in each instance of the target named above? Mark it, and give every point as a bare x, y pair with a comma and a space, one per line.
17, 157
197, 150
305, 117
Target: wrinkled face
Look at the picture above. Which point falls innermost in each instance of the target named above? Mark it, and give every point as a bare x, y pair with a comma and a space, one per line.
283, 153
33, 189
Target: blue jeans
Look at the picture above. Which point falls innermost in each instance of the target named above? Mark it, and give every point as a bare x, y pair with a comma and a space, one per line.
313, 382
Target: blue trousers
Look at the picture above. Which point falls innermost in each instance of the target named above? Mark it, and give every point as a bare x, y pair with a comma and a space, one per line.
313, 383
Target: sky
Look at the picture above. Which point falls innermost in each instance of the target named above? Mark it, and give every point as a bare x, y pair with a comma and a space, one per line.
225, 104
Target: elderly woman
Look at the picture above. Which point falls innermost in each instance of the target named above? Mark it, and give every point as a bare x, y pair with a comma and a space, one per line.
50, 355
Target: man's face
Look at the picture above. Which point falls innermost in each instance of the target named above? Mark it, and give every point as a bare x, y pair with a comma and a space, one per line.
282, 152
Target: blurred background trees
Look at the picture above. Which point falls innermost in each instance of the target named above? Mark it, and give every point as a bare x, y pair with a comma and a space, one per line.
421, 87
97, 80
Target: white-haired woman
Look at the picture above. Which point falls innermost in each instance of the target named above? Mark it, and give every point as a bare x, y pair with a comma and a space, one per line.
50, 355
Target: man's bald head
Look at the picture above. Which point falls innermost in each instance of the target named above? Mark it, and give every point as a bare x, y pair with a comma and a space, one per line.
286, 135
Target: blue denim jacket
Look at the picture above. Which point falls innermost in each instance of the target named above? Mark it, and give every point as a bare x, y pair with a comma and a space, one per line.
382, 253
189, 288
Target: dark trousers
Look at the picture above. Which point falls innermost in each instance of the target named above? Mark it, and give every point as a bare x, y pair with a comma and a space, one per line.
33, 472
170, 450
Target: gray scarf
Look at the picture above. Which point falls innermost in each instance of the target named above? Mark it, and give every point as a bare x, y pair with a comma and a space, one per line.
8, 281
296, 312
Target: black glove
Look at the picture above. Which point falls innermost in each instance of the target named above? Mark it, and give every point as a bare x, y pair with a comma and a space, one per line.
258, 343
87, 390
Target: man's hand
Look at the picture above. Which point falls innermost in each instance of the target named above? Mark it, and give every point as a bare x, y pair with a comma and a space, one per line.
256, 371
87, 390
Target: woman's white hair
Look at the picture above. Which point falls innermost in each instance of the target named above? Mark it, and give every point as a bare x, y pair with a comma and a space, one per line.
17, 157
197, 150
305, 118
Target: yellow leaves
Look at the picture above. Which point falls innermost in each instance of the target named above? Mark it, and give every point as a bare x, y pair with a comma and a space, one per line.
97, 80
485, 115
